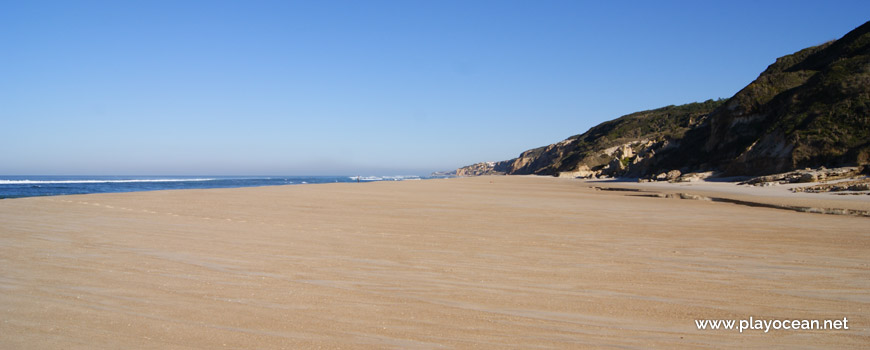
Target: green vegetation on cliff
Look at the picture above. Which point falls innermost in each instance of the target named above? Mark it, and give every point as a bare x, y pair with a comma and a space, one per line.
807, 109
666, 124
669, 122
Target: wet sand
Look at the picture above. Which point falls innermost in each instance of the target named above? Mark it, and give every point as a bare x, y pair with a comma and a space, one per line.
489, 262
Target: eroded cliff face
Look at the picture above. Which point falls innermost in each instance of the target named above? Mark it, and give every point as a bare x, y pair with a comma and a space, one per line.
808, 109
626, 146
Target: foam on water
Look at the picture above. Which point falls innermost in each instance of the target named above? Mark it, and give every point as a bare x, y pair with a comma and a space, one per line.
38, 182
33, 186
385, 178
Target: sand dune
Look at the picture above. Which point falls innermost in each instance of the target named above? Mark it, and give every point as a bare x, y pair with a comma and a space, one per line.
490, 262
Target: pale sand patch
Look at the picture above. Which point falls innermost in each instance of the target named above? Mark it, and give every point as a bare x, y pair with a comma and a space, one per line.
490, 262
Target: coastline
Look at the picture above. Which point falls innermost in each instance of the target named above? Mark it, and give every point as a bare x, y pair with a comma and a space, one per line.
22, 186
487, 262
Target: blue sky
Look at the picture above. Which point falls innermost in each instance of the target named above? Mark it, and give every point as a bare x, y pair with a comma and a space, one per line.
362, 87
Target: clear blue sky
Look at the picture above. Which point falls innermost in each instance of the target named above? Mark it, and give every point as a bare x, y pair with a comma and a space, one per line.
362, 87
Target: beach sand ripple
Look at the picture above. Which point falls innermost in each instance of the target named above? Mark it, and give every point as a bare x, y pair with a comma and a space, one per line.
489, 262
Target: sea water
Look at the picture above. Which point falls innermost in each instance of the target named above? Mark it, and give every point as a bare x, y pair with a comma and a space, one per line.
31, 186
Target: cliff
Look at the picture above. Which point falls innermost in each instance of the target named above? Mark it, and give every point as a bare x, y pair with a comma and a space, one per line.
807, 109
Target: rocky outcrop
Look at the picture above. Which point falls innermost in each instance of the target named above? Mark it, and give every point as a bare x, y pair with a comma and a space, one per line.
805, 175
483, 168
855, 186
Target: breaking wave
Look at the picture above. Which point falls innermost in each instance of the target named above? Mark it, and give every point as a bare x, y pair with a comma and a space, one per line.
385, 178
40, 182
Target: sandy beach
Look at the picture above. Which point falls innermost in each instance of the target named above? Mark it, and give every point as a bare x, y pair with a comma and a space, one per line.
486, 262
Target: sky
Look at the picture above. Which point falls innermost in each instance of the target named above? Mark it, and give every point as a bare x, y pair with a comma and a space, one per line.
362, 87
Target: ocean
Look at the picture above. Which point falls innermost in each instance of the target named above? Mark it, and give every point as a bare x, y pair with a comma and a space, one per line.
33, 186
